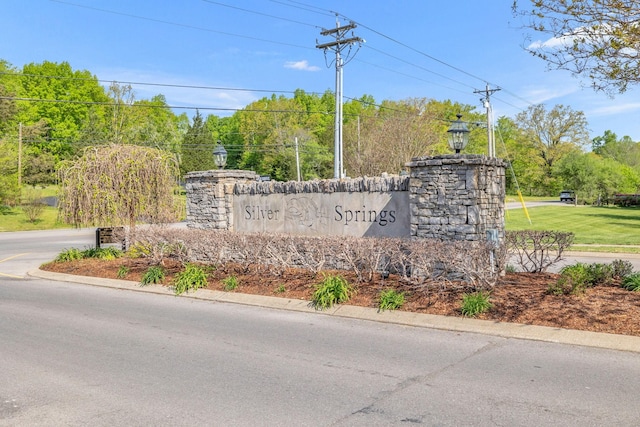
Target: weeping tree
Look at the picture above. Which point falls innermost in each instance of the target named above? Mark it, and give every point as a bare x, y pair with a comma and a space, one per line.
119, 185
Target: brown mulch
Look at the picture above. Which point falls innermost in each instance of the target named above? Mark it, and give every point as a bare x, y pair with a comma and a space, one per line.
517, 298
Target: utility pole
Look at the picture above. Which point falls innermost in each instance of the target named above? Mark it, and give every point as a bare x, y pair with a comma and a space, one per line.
486, 101
338, 45
297, 158
20, 156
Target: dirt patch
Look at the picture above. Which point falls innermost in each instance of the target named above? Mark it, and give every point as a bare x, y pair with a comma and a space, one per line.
517, 298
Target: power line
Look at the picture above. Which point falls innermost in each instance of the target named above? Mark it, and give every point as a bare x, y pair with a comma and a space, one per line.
193, 27
260, 13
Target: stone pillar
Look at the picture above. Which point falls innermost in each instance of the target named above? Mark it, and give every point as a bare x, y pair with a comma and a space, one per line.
457, 197
210, 197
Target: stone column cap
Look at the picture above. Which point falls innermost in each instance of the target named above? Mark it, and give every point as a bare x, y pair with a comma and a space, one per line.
455, 159
222, 174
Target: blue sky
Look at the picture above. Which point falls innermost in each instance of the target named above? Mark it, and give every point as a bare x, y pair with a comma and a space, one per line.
414, 48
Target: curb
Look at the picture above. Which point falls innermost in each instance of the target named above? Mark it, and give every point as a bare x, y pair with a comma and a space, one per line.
421, 320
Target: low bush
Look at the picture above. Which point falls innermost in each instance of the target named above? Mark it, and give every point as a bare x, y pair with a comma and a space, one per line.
390, 299
332, 290
191, 278
574, 280
599, 274
475, 303
535, 251
621, 268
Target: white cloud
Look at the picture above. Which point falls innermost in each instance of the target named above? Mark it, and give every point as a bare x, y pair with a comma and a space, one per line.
615, 109
540, 95
301, 65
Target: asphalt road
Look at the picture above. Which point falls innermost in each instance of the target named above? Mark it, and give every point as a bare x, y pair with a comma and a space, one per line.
80, 355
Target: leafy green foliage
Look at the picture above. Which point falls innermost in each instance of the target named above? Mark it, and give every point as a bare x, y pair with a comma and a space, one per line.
118, 185
475, 303
123, 270
332, 290
154, 274
280, 289
621, 268
106, 253
390, 299
573, 280
632, 282
599, 274
70, 254
230, 283
191, 278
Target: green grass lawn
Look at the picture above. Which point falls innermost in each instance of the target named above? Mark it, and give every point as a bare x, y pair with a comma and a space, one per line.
607, 225
15, 219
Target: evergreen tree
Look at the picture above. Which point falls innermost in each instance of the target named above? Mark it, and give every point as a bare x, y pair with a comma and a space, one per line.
197, 148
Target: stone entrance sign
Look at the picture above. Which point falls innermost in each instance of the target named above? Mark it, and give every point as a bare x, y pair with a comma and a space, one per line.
450, 197
340, 213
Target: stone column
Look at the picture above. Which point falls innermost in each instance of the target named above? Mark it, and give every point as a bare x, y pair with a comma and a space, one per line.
457, 197
210, 197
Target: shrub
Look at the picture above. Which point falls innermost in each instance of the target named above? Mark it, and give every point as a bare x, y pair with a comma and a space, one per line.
192, 278
475, 303
123, 270
332, 290
599, 274
536, 251
390, 299
230, 283
632, 282
69, 255
154, 274
280, 289
574, 279
621, 268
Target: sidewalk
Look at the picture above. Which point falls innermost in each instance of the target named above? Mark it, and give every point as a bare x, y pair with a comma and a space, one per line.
458, 324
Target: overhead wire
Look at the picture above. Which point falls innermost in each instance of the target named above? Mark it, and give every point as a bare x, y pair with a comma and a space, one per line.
308, 7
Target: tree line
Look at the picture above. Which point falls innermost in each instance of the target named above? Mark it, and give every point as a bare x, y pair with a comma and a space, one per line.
50, 114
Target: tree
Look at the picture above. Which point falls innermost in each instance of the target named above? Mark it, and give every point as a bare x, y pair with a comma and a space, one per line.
596, 179
597, 39
9, 86
113, 185
197, 147
551, 135
72, 91
622, 150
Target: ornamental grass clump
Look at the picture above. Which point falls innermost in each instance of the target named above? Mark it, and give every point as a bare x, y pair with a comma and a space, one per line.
332, 290
390, 299
192, 278
475, 303
153, 275
632, 282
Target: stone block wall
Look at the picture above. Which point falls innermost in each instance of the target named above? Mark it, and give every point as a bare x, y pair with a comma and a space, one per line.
450, 197
457, 197
210, 197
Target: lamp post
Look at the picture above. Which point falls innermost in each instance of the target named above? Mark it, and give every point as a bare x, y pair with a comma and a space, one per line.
458, 135
220, 156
